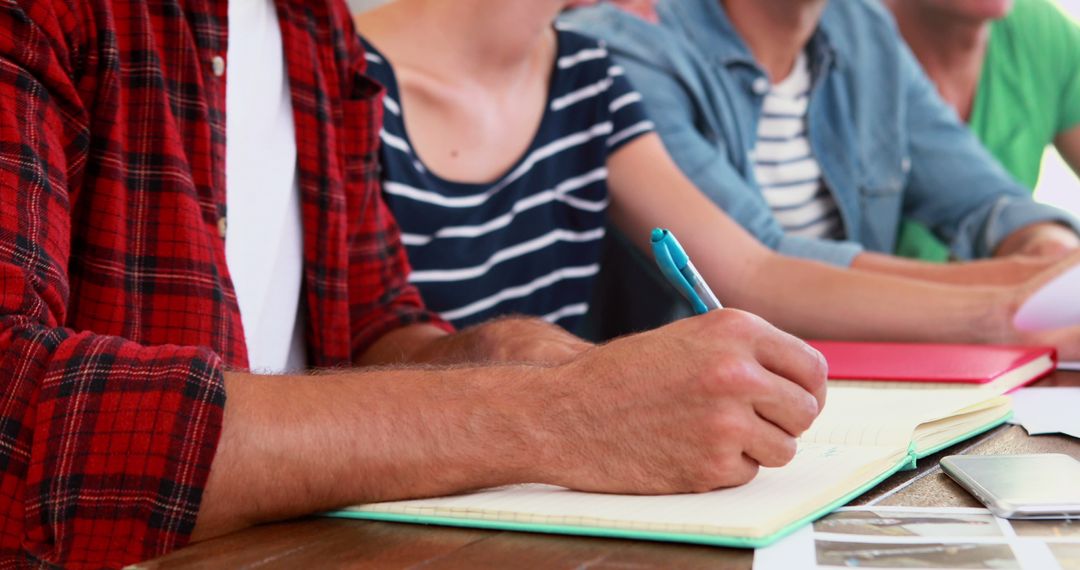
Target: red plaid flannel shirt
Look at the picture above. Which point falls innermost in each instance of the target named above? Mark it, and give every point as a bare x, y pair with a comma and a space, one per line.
116, 310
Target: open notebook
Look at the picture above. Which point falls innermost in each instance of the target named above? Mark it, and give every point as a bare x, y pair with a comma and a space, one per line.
867, 431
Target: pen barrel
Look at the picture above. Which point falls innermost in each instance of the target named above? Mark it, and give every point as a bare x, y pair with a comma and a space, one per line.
704, 294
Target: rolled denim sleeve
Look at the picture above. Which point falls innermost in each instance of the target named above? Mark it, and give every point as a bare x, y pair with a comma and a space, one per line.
956, 188
702, 158
980, 235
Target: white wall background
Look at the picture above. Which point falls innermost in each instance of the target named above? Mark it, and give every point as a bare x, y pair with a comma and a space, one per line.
1058, 185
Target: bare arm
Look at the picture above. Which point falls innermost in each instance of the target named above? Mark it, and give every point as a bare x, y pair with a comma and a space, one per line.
1009, 270
808, 298
508, 339
296, 445
617, 418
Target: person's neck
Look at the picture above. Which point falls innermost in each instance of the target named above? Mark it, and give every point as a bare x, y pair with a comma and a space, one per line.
951, 50
776, 31
486, 40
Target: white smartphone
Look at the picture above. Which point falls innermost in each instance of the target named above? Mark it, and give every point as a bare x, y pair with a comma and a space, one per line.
1043, 486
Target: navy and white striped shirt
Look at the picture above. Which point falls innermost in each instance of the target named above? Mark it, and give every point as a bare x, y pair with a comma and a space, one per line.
529, 242
785, 168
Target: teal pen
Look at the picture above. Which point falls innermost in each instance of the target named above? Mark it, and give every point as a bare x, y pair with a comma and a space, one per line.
680, 272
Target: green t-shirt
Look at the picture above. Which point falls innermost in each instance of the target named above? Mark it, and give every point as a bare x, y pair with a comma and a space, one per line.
1028, 93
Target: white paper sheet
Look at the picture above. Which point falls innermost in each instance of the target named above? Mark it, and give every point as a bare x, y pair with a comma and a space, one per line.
1047, 410
921, 538
796, 552
1056, 305
1074, 365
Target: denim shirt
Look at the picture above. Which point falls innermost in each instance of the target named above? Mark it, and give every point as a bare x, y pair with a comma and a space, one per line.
888, 146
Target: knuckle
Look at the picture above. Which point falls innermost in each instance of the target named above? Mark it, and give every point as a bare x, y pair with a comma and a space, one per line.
804, 416
728, 427
785, 451
736, 371
727, 465
819, 368
737, 322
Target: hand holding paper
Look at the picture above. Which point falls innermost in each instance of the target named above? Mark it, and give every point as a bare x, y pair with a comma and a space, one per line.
1048, 310
1055, 305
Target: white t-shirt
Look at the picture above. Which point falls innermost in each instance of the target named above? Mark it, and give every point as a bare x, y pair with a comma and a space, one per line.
264, 240
785, 168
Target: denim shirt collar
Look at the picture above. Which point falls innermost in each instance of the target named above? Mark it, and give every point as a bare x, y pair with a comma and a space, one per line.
709, 27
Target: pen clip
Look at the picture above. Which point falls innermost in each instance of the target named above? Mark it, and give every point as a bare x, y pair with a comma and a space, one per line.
671, 258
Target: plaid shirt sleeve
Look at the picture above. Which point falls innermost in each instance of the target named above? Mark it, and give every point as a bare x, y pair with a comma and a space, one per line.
106, 444
382, 299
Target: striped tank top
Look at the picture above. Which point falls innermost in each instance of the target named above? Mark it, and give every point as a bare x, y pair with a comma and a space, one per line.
529, 242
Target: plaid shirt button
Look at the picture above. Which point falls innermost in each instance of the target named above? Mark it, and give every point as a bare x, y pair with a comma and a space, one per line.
218, 64
222, 226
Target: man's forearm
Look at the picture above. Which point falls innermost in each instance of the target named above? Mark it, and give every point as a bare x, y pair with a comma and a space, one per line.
295, 445
509, 339
616, 419
1006, 271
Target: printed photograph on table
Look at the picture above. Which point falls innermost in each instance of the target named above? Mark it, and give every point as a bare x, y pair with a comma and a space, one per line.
1067, 555
929, 555
934, 538
1068, 528
915, 523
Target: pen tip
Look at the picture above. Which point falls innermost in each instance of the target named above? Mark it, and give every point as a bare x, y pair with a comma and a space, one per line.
658, 234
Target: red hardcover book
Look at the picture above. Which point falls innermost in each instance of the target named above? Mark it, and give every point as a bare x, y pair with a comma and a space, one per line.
911, 362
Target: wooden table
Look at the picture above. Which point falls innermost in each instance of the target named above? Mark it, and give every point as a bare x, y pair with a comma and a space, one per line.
340, 543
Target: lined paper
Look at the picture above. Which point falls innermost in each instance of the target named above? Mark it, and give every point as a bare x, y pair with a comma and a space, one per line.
889, 413
867, 416
821, 473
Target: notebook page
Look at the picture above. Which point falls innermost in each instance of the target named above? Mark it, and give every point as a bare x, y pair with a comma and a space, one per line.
819, 475
932, 435
862, 413
887, 413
